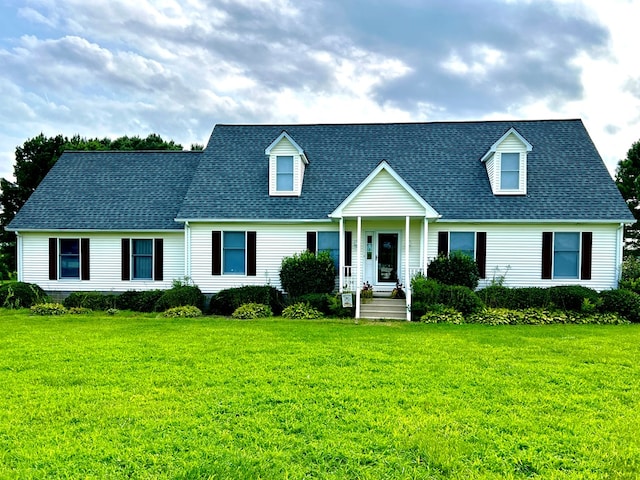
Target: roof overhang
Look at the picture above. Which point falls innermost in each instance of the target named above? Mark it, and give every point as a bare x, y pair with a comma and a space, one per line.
494, 147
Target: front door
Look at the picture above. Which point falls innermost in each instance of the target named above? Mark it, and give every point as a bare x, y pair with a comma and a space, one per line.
387, 258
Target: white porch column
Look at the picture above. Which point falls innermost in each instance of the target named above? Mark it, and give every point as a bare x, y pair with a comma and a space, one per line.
425, 246
407, 274
359, 266
341, 255
19, 257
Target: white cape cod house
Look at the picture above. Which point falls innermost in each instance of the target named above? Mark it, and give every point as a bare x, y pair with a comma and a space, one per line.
531, 201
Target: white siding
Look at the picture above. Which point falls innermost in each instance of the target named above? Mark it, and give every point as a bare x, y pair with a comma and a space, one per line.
105, 262
515, 251
384, 196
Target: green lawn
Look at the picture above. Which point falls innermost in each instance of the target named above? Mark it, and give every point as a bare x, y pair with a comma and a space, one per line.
143, 397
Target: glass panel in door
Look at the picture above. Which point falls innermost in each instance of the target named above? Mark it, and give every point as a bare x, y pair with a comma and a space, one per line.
388, 257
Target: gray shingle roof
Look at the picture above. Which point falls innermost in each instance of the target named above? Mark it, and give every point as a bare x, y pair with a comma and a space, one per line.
567, 179
441, 161
123, 190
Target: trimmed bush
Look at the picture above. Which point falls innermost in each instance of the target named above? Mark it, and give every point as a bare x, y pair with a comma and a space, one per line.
226, 301
456, 269
184, 311
528, 297
496, 296
302, 311
572, 297
21, 295
48, 309
91, 300
319, 301
337, 310
138, 301
539, 316
180, 295
425, 292
308, 273
250, 311
623, 302
463, 299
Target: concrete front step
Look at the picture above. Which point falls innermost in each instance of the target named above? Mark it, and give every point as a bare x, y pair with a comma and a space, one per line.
384, 308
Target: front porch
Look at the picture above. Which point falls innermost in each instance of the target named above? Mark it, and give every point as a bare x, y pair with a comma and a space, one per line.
383, 307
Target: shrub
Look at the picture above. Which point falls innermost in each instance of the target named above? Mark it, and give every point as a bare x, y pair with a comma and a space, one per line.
138, 301
456, 269
439, 313
572, 297
226, 301
48, 309
319, 301
496, 296
184, 311
112, 311
623, 302
630, 275
301, 311
91, 300
337, 310
249, 311
424, 293
463, 299
540, 316
180, 295
528, 297
79, 311
308, 273
21, 295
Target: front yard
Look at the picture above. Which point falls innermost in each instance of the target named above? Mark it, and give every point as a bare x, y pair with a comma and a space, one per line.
144, 397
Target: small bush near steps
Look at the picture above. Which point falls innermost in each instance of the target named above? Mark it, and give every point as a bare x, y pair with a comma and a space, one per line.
185, 311
48, 309
301, 311
250, 311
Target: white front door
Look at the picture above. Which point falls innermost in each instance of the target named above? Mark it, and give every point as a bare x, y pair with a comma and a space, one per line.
382, 258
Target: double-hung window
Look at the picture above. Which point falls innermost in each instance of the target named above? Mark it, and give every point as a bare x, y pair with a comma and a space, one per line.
233, 253
330, 242
284, 173
566, 255
142, 256
510, 171
69, 258
462, 242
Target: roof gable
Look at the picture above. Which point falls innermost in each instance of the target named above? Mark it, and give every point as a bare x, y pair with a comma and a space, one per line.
384, 193
511, 132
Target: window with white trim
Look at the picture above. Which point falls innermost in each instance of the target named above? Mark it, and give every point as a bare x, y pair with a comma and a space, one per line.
69, 258
233, 253
463, 242
566, 255
284, 173
510, 171
142, 258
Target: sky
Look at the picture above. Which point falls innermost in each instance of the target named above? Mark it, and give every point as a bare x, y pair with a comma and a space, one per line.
108, 68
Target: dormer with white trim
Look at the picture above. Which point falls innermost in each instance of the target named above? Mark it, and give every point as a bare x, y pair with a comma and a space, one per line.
287, 163
506, 163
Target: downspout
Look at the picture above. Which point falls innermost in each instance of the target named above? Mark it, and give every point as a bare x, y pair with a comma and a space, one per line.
187, 250
619, 252
19, 257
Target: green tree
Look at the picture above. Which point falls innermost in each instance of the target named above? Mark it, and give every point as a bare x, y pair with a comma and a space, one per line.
33, 161
628, 181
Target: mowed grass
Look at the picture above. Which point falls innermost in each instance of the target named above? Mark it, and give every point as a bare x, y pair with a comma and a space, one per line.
144, 397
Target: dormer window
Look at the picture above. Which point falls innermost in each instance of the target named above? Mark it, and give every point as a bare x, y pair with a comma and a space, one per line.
509, 171
506, 163
287, 162
284, 173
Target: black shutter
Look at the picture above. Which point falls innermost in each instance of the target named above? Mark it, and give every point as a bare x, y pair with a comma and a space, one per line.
216, 253
251, 254
126, 259
348, 239
53, 259
443, 244
311, 242
547, 254
158, 260
481, 253
84, 259
587, 247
